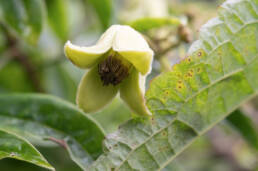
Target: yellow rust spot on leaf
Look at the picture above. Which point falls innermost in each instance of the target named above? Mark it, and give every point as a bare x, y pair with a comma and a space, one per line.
178, 74
164, 133
180, 85
189, 59
190, 74
185, 76
198, 70
199, 54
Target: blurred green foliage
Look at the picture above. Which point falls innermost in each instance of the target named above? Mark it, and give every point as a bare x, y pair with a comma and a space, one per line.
32, 35
58, 17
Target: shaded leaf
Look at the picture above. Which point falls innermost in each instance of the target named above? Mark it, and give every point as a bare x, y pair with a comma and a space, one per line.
24, 17
219, 74
9, 84
68, 83
244, 125
13, 146
145, 24
44, 117
112, 114
58, 17
34, 10
12, 14
59, 82
103, 9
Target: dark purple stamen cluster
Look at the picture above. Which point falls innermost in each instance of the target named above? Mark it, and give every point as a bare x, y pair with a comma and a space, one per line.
112, 71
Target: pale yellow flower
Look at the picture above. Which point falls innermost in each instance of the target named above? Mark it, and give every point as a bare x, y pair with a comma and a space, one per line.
119, 62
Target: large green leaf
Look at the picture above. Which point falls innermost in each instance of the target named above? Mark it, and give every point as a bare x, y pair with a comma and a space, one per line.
24, 17
103, 9
58, 17
44, 117
219, 74
13, 146
244, 125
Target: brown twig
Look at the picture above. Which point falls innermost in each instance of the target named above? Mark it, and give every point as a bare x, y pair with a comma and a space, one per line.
23, 59
58, 141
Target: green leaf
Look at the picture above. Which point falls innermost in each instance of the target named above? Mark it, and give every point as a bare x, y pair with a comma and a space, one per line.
34, 10
60, 82
58, 17
174, 166
219, 74
18, 75
13, 146
145, 24
244, 125
12, 14
67, 82
103, 9
45, 117
24, 17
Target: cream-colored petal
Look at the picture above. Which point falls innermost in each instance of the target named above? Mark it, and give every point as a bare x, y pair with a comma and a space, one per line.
86, 57
132, 46
142, 61
91, 94
132, 92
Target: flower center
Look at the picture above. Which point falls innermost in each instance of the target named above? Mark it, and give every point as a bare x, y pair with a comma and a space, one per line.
112, 70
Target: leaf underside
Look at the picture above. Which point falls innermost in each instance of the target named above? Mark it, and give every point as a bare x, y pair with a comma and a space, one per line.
43, 117
219, 75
